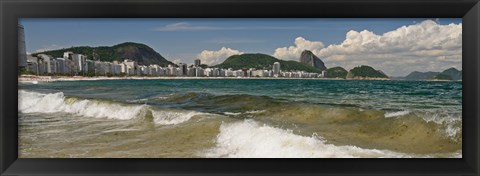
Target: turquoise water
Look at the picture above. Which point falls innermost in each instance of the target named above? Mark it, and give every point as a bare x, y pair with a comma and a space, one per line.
314, 118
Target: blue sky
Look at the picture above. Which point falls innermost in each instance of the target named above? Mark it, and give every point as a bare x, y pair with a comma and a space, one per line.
183, 39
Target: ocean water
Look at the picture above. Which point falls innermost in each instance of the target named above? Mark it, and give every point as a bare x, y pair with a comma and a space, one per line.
216, 118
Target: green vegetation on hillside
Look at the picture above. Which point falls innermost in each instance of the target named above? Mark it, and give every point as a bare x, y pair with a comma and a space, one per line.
421, 75
452, 73
442, 77
448, 74
336, 72
141, 53
263, 61
366, 71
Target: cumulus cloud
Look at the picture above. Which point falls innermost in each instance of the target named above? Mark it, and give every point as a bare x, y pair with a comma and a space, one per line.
217, 57
49, 48
301, 44
424, 46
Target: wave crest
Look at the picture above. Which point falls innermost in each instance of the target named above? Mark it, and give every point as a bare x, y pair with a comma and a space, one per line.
249, 139
33, 102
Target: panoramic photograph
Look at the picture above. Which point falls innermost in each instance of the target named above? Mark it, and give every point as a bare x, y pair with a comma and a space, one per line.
240, 88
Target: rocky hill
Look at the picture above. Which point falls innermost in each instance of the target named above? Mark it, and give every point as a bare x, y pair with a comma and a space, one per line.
308, 58
141, 53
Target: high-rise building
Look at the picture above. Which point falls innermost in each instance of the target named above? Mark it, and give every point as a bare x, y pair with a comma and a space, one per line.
183, 68
276, 69
32, 64
79, 62
22, 53
197, 62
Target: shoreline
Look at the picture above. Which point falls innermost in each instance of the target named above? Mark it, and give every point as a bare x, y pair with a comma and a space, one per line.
34, 78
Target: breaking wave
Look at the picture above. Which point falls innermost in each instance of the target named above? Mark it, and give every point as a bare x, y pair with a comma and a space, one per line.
33, 102
249, 139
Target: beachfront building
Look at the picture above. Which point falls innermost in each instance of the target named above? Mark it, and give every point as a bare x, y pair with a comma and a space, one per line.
199, 72
183, 68
276, 69
22, 53
79, 61
129, 67
238, 73
229, 72
32, 64
68, 55
208, 72
77, 64
191, 72
47, 64
323, 74
90, 67
61, 66
258, 73
197, 62
116, 69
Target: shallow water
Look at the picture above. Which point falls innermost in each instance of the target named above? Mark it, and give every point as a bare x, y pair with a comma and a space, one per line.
240, 118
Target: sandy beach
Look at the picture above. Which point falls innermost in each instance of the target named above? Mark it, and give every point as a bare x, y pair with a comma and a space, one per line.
32, 78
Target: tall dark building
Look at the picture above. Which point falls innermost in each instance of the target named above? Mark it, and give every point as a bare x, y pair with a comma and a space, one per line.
22, 53
183, 68
308, 58
197, 62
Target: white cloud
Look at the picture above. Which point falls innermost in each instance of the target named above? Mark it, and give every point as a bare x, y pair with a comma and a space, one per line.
424, 46
49, 48
217, 57
301, 44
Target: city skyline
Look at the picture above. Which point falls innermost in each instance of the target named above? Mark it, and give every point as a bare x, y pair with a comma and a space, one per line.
415, 44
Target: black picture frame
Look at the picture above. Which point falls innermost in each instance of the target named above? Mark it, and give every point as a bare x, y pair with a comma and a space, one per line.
11, 11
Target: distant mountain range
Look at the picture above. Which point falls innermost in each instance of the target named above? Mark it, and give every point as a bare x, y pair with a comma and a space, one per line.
141, 53
307, 61
448, 74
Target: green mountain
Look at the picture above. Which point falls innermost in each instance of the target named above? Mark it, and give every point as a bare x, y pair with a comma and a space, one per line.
262, 61
448, 74
365, 72
336, 72
451, 73
421, 75
141, 53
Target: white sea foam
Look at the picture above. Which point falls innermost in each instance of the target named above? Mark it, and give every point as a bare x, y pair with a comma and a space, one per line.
255, 111
397, 113
249, 139
33, 102
451, 122
232, 113
171, 117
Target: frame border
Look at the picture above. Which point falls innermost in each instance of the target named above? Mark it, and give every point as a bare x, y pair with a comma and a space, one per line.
11, 11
